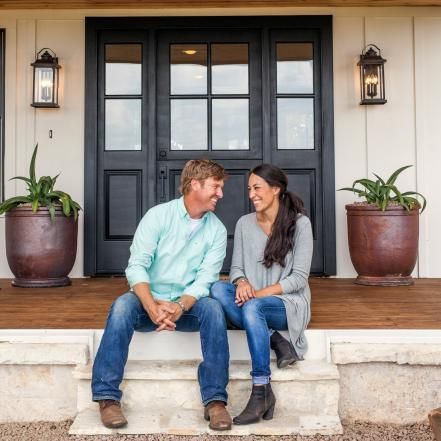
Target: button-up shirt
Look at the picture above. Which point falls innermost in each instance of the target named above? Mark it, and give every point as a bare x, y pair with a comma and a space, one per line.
173, 258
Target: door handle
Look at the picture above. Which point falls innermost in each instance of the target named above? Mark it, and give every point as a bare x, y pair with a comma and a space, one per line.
163, 180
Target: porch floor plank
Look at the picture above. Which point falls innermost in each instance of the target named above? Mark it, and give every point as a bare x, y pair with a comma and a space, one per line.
336, 304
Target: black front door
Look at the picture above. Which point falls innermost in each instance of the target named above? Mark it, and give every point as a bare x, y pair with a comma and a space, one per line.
241, 91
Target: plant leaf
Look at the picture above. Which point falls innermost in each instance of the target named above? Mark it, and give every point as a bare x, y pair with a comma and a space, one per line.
32, 165
22, 178
395, 174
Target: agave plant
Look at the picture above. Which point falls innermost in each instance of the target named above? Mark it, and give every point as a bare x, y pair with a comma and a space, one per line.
42, 193
384, 192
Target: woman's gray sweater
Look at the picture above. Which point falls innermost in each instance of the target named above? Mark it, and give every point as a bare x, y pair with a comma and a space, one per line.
249, 245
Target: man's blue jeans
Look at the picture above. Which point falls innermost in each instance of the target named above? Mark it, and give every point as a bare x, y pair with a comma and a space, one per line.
127, 315
257, 316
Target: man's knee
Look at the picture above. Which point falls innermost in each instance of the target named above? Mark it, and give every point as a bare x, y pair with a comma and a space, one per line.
219, 290
211, 310
125, 306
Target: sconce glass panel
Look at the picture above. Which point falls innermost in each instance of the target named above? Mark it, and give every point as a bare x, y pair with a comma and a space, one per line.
44, 85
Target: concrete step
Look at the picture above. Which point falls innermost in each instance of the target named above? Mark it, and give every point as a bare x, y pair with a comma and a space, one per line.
178, 421
307, 398
308, 386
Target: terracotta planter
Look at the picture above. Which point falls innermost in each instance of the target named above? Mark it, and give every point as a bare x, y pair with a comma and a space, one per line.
40, 252
383, 244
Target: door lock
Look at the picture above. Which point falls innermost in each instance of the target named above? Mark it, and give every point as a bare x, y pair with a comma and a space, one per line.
162, 179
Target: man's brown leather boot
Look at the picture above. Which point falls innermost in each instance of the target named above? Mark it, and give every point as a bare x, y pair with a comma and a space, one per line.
218, 415
111, 414
435, 422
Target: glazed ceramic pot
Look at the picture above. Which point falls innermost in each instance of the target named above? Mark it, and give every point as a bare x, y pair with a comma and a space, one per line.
383, 244
41, 252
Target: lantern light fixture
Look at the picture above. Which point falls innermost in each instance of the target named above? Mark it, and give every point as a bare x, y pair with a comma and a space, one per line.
371, 65
46, 78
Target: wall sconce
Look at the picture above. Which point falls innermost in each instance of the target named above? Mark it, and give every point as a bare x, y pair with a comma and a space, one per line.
372, 76
45, 87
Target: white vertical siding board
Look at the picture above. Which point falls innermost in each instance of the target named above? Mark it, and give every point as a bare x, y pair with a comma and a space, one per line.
64, 153
428, 136
391, 127
25, 127
350, 127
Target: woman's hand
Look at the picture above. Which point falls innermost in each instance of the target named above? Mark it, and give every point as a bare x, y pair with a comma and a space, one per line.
244, 292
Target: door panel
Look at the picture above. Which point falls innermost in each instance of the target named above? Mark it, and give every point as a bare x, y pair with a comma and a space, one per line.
296, 127
122, 149
238, 90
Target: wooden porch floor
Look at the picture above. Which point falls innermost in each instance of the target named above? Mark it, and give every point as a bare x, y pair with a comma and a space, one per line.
336, 304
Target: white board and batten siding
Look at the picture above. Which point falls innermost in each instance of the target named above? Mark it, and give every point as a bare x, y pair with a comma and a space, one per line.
368, 139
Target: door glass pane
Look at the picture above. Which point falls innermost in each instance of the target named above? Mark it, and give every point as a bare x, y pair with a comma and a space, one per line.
294, 68
295, 123
123, 69
230, 124
123, 124
188, 124
229, 68
188, 69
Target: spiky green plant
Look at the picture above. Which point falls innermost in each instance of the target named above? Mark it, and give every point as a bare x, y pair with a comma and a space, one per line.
42, 193
384, 192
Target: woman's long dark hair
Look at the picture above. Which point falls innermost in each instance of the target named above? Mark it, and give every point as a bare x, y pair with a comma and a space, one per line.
281, 239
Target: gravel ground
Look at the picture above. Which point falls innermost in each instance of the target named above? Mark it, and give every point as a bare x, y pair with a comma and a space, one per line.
353, 432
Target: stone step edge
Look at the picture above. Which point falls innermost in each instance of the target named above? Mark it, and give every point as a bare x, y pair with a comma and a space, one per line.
163, 370
43, 353
191, 422
404, 353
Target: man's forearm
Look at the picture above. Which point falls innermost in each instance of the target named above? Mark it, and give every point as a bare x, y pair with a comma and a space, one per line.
142, 290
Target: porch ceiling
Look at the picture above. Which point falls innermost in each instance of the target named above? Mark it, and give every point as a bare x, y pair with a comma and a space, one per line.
189, 4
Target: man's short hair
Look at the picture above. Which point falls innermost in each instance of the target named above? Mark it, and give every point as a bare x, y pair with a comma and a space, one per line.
200, 169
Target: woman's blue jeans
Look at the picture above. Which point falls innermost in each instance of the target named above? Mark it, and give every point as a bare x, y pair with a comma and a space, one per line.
257, 316
127, 315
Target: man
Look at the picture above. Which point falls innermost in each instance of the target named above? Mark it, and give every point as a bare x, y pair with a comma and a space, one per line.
176, 254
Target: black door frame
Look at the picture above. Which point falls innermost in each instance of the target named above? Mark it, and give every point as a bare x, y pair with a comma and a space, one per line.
94, 26
2, 114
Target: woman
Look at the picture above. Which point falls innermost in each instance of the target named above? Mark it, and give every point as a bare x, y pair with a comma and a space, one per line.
269, 282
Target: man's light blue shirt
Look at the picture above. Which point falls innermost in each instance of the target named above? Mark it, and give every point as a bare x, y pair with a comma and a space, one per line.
173, 259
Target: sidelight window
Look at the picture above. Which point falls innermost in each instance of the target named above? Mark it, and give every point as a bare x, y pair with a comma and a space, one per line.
123, 96
295, 96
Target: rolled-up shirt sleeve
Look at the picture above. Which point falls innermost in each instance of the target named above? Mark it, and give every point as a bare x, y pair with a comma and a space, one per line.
302, 256
209, 270
143, 248
237, 263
